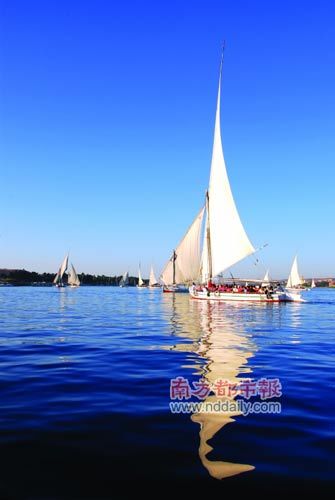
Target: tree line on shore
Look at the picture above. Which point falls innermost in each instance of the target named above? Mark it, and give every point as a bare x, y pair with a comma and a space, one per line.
21, 277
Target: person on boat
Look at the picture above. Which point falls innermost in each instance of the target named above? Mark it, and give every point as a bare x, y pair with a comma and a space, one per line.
211, 287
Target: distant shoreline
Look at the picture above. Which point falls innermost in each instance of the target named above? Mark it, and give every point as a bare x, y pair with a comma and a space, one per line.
21, 277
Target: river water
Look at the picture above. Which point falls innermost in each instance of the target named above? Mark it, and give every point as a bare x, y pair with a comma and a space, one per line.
85, 377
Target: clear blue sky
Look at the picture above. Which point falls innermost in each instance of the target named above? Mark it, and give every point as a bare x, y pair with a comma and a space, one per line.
106, 129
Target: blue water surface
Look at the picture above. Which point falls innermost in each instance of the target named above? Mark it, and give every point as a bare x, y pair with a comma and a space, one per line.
85, 391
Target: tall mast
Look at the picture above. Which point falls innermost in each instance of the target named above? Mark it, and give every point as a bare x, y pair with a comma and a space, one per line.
208, 235
174, 256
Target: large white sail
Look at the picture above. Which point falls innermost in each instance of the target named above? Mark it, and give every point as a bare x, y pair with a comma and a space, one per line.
228, 239
73, 278
313, 285
140, 280
294, 277
152, 278
186, 258
167, 273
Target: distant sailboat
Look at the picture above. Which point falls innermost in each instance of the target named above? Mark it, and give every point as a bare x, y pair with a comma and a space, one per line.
58, 281
294, 280
153, 283
141, 283
313, 285
73, 279
266, 279
124, 280
294, 283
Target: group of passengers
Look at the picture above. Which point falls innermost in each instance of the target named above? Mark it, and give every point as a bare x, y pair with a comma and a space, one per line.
235, 288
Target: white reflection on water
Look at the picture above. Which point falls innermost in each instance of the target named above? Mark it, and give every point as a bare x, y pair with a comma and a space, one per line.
223, 348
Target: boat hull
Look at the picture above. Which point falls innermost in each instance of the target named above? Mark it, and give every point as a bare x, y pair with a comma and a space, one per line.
296, 290
174, 289
243, 297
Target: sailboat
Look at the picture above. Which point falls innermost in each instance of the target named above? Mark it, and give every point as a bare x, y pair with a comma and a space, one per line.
58, 280
153, 283
141, 283
294, 281
183, 266
313, 285
124, 281
266, 279
225, 241
73, 279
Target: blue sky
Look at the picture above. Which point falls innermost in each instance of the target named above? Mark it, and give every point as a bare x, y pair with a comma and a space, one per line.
106, 127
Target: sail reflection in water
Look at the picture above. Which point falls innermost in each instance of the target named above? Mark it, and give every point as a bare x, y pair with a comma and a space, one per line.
224, 350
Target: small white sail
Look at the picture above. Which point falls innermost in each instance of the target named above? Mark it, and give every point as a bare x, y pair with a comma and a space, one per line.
294, 277
125, 279
228, 239
313, 285
70, 278
73, 278
56, 279
140, 280
61, 270
266, 279
152, 279
64, 266
186, 256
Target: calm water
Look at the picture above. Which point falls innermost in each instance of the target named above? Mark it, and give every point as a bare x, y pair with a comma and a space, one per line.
85, 376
